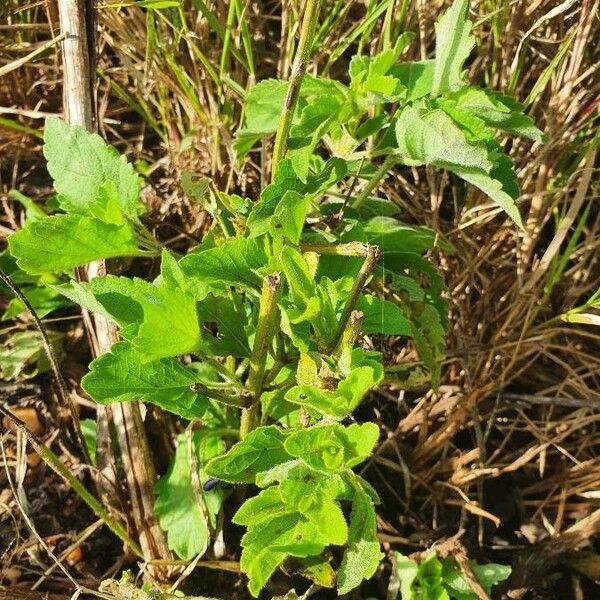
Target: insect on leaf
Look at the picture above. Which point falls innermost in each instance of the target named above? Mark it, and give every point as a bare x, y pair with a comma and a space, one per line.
183, 511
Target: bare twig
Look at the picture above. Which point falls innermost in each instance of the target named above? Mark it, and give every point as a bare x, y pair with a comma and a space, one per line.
15, 64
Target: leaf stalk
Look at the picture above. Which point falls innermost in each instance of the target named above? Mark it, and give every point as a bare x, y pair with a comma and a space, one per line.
389, 161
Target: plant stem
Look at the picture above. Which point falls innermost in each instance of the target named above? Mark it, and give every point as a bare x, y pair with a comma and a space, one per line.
258, 358
350, 334
60, 469
390, 160
371, 256
236, 400
309, 21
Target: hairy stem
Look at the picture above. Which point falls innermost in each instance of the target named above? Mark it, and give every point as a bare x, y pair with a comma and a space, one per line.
264, 334
350, 333
309, 21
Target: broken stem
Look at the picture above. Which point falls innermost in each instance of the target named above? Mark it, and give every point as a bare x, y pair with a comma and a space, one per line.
371, 256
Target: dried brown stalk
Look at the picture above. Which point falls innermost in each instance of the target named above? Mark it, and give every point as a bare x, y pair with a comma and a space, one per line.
127, 419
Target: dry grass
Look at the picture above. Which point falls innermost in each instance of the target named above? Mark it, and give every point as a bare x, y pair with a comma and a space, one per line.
512, 437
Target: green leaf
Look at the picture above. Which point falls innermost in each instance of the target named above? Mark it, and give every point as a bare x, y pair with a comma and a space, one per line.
417, 280
316, 568
263, 105
43, 300
453, 44
407, 574
306, 490
298, 276
391, 235
114, 297
328, 448
243, 141
181, 510
170, 272
316, 117
494, 109
158, 4
429, 336
89, 430
121, 375
81, 162
432, 137
490, 574
266, 505
22, 354
166, 317
194, 187
259, 451
430, 578
382, 316
416, 77
269, 543
62, 242
262, 108
345, 399
230, 318
234, 262
370, 77
290, 215
286, 180
170, 325
493, 188
363, 555
308, 493
33, 210
277, 473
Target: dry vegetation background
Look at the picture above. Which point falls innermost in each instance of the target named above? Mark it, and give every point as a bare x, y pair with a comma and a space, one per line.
506, 452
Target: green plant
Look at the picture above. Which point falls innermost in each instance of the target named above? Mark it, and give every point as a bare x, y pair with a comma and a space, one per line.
433, 578
271, 313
